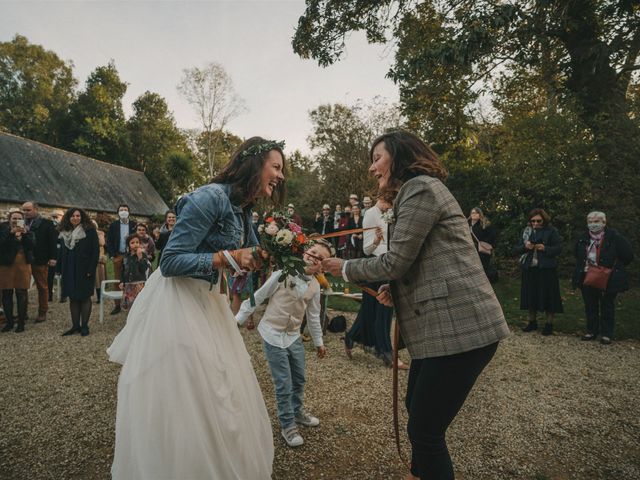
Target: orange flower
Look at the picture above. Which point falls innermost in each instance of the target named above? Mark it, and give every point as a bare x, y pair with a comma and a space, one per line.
300, 238
269, 220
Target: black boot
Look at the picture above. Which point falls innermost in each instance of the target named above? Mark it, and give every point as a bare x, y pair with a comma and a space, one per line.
548, 329
71, 331
20, 327
531, 327
8, 326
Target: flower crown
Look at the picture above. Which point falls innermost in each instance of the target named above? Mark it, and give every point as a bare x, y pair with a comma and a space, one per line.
262, 147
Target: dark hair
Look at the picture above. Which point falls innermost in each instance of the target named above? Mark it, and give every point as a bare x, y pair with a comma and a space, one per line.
244, 173
85, 221
166, 214
142, 224
546, 218
410, 157
131, 237
123, 205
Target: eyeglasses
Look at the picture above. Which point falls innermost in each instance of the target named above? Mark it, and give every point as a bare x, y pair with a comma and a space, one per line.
535, 220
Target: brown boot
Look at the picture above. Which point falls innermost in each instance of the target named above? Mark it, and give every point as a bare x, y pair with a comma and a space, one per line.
41, 317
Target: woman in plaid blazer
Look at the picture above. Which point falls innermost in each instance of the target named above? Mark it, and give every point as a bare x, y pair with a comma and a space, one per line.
449, 317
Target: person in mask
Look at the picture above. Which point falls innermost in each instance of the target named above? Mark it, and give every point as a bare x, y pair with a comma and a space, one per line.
601, 245
117, 243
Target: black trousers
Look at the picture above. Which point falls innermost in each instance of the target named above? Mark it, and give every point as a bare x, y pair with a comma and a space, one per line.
7, 305
600, 311
437, 388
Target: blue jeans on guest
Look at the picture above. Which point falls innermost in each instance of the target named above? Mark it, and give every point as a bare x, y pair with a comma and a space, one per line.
287, 372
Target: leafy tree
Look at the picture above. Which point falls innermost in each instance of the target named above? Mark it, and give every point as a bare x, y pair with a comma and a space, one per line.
220, 145
36, 89
210, 92
97, 126
156, 142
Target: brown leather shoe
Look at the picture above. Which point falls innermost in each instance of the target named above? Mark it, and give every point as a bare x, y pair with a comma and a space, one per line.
41, 318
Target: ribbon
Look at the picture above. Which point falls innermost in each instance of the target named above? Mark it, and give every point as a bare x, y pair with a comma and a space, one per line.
340, 233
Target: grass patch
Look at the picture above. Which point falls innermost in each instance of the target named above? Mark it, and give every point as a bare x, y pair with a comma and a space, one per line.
508, 292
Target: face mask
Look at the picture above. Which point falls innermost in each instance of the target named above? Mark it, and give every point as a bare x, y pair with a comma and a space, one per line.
595, 227
123, 214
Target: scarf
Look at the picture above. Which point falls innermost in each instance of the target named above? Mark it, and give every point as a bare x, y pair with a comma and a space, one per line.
70, 238
594, 244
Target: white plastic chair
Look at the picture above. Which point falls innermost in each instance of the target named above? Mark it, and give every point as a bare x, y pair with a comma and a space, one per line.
105, 294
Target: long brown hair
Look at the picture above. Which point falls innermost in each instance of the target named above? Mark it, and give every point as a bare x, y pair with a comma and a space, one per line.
244, 172
85, 221
410, 157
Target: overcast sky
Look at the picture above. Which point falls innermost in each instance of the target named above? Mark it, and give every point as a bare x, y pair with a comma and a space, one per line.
152, 41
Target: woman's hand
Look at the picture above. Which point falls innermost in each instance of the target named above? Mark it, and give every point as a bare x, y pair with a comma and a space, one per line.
322, 351
539, 246
529, 246
384, 295
379, 236
333, 266
249, 258
139, 253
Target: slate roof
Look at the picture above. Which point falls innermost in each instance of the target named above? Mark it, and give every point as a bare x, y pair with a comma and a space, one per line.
31, 170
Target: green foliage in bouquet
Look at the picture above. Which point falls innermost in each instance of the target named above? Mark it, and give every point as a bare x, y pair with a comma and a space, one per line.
285, 242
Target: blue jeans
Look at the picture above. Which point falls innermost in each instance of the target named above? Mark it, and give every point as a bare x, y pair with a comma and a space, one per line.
287, 372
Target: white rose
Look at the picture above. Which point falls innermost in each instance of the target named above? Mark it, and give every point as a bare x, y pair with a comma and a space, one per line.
260, 228
272, 229
284, 237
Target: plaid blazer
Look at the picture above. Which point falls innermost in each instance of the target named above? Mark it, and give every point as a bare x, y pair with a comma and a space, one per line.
444, 303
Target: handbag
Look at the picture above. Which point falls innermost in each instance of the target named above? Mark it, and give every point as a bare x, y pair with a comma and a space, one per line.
483, 247
597, 276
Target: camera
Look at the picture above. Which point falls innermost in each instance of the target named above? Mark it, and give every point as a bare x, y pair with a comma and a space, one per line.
20, 223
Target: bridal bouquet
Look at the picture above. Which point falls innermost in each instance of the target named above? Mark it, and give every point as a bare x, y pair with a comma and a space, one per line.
284, 241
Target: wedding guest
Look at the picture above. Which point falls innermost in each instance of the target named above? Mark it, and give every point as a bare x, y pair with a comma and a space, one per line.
448, 314
336, 216
45, 254
17, 246
116, 243
185, 364
146, 242
604, 246
366, 204
165, 232
291, 210
135, 269
343, 224
80, 255
56, 216
483, 231
354, 242
324, 221
101, 269
281, 341
353, 200
540, 288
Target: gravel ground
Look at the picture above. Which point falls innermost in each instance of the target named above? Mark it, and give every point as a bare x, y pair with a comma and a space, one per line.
545, 408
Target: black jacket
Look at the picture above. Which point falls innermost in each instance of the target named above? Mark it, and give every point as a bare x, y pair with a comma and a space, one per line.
614, 250
112, 242
134, 269
9, 245
488, 234
552, 242
328, 225
46, 237
87, 252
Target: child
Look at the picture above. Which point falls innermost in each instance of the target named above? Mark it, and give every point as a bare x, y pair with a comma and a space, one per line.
282, 344
134, 270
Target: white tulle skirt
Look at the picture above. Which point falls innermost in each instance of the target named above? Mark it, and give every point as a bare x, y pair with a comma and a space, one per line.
189, 403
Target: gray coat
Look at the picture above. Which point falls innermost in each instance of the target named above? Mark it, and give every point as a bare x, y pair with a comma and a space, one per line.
443, 300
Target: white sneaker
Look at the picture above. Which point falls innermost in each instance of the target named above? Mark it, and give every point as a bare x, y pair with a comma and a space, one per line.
303, 418
292, 437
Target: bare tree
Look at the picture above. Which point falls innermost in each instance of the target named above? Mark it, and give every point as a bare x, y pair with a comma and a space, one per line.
210, 92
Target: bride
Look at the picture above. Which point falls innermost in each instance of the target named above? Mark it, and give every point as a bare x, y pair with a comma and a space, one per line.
189, 403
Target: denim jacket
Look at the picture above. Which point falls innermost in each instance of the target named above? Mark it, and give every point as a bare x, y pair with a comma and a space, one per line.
207, 222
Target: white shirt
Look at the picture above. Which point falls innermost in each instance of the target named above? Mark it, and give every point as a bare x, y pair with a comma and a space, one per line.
373, 218
269, 333
124, 233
